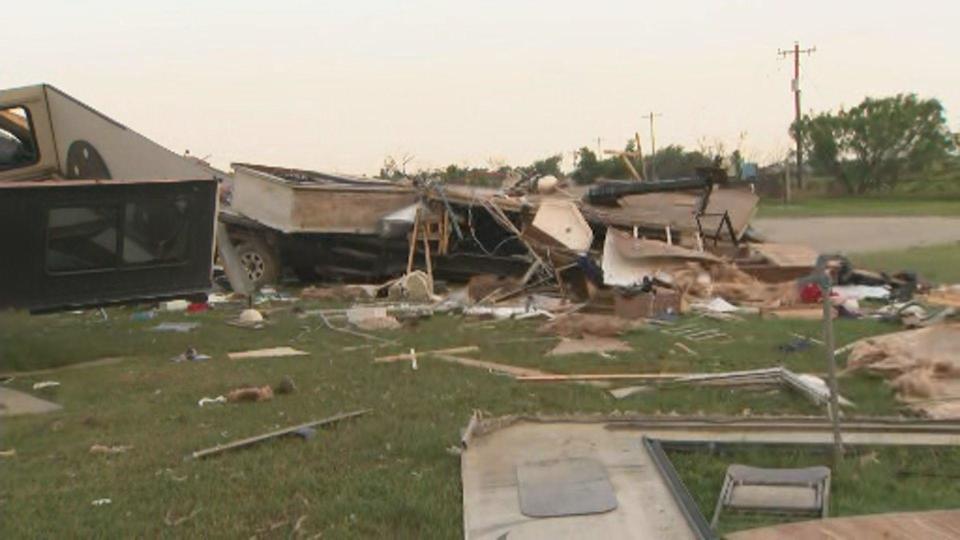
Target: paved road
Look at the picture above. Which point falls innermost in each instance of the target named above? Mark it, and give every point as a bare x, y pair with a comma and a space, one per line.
861, 234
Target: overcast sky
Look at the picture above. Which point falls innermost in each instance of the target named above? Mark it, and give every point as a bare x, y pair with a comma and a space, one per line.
339, 85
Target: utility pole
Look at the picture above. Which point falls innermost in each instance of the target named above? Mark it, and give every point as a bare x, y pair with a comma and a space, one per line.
653, 145
796, 52
599, 148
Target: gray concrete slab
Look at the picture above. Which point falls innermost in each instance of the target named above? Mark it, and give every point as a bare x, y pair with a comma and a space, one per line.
14, 402
564, 487
491, 505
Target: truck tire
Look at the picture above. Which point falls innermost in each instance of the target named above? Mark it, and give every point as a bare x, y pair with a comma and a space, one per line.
260, 261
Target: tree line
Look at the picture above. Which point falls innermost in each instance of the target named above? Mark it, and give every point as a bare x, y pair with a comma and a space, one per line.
871, 147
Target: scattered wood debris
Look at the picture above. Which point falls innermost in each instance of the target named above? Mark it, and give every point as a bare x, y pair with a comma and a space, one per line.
589, 345
411, 356
103, 449
274, 352
252, 393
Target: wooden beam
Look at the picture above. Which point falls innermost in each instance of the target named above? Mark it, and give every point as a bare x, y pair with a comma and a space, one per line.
516, 371
602, 377
413, 241
633, 171
280, 432
643, 174
408, 356
428, 257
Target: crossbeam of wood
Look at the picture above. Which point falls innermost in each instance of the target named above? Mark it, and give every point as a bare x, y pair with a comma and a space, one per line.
408, 356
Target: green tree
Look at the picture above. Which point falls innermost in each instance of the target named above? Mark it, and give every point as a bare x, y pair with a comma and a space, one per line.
543, 167
674, 161
875, 144
588, 166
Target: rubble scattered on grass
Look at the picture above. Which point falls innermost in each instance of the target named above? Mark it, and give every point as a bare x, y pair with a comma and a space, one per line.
209, 401
250, 394
923, 366
273, 352
103, 449
190, 355
179, 327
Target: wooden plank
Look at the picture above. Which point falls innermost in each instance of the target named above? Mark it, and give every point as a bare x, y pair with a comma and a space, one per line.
602, 377
933, 524
516, 371
788, 255
630, 167
801, 312
408, 356
285, 431
427, 256
275, 352
413, 241
640, 163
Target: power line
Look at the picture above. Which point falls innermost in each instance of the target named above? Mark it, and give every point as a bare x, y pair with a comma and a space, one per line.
796, 52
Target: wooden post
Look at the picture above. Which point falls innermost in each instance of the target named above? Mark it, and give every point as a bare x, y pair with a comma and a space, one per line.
413, 241
832, 370
427, 256
786, 183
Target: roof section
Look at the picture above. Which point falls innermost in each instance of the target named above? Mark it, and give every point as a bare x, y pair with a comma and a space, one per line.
302, 176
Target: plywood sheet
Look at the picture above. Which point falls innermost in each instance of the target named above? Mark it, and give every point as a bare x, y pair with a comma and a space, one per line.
789, 255
589, 345
938, 524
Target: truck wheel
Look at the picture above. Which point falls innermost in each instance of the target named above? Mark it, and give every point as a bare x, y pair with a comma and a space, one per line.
259, 261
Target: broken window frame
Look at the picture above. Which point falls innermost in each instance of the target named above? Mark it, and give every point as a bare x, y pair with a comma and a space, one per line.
120, 225
35, 147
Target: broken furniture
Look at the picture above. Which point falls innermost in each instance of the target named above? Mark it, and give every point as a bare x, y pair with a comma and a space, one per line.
803, 491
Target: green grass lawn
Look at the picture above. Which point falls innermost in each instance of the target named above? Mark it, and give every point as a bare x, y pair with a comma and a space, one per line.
938, 264
862, 206
387, 474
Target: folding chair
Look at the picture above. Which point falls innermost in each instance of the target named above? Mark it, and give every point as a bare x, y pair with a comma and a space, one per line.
803, 491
